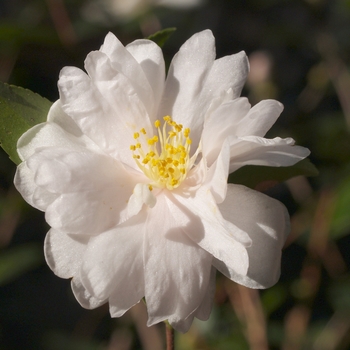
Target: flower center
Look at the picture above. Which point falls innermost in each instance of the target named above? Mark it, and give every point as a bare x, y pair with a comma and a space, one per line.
166, 161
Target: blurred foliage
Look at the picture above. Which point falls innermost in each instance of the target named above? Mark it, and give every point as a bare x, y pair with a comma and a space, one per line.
299, 54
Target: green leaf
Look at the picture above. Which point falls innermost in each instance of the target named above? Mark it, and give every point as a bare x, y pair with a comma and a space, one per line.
16, 261
252, 175
162, 36
20, 109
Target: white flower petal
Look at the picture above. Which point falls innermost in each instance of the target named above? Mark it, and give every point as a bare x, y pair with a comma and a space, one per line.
107, 111
220, 124
202, 221
256, 150
63, 171
24, 183
38, 198
150, 57
196, 176
260, 118
84, 298
43, 198
176, 269
63, 253
124, 62
93, 190
229, 72
59, 117
218, 174
267, 222
204, 310
187, 73
113, 265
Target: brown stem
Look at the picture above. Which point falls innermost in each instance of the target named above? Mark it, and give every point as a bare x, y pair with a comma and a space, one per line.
169, 331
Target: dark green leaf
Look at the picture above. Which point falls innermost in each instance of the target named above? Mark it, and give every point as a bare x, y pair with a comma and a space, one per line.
252, 175
20, 109
18, 260
161, 37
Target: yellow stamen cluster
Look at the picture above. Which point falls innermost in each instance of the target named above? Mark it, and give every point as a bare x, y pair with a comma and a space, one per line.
167, 159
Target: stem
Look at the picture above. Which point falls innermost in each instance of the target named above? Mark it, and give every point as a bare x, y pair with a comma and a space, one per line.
169, 331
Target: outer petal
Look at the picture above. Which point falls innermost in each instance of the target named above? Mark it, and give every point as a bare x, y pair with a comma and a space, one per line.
113, 265
25, 185
64, 253
187, 74
176, 269
150, 57
218, 174
267, 223
204, 310
220, 124
84, 298
124, 62
269, 152
227, 73
57, 116
260, 118
42, 198
93, 189
204, 224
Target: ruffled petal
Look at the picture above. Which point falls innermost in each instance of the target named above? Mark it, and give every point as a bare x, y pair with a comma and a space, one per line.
43, 198
123, 61
57, 116
84, 298
266, 221
108, 111
204, 309
37, 197
260, 118
227, 73
254, 150
220, 124
186, 77
150, 57
63, 253
218, 174
176, 269
113, 265
92, 189
25, 185
202, 221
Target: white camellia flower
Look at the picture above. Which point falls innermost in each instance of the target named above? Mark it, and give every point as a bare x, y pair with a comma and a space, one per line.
131, 170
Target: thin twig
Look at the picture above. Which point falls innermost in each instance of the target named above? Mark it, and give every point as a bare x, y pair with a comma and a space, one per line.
169, 331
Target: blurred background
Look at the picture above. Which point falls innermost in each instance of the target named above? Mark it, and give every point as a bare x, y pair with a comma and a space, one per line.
299, 53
